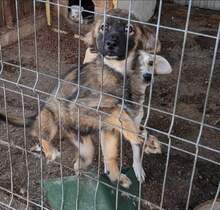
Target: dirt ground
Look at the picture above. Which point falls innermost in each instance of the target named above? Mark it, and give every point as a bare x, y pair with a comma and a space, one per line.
194, 80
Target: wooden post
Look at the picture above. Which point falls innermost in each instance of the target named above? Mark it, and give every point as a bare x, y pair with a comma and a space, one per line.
8, 13
1, 14
48, 13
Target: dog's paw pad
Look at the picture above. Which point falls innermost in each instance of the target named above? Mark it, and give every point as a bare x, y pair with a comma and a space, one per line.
124, 181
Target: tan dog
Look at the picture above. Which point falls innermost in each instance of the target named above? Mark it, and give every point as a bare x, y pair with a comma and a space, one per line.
133, 62
142, 61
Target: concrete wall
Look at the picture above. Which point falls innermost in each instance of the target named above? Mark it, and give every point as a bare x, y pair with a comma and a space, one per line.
207, 4
143, 9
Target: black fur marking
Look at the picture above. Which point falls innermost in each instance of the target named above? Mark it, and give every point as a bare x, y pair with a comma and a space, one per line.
113, 42
107, 172
2, 117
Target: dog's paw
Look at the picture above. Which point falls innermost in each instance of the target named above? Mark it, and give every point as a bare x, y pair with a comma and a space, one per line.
79, 165
139, 171
52, 155
124, 181
152, 146
36, 148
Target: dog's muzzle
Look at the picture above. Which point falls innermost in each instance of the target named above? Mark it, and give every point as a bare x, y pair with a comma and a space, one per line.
111, 46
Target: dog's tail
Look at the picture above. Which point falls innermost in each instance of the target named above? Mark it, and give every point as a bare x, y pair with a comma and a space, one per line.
18, 121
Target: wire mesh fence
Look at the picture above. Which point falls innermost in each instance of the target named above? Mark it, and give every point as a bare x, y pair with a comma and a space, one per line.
29, 86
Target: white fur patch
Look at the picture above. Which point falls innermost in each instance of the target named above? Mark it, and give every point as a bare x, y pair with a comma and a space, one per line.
140, 115
137, 164
120, 65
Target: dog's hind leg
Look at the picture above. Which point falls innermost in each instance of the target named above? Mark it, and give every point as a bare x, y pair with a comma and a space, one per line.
86, 151
109, 143
48, 130
51, 153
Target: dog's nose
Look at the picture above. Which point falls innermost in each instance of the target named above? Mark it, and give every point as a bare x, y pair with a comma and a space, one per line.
111, 44
147, 77
112, 41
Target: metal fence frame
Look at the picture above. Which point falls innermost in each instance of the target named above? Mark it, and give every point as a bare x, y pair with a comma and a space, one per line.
149, 108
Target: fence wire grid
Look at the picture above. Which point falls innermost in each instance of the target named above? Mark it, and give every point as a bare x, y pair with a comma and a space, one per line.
26, 92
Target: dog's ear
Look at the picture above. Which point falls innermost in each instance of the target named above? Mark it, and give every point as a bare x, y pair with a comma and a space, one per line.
148, 40
90, 37
162, 66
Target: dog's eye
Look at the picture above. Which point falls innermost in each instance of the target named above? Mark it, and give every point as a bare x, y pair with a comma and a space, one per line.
130, 29
103, 27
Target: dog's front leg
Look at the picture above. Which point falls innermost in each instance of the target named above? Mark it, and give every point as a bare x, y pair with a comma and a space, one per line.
137, 163
109, 143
